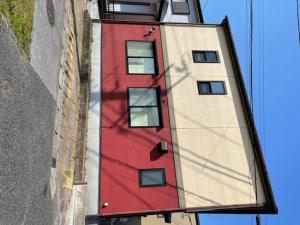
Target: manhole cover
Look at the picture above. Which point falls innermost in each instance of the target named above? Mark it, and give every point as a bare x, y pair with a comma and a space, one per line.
50, 12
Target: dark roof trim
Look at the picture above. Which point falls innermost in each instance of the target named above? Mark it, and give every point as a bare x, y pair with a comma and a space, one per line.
199, 10
161, 6
197, 218
270, 206
137, 213
224, 209
232, 209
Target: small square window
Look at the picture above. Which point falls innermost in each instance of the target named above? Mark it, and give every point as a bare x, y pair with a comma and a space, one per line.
152, 177
141, 57
211, 87
205, 56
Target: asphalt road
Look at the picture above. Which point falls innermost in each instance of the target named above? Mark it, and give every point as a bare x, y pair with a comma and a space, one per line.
27, 111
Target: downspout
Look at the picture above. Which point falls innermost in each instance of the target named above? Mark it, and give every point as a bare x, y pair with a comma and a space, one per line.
161, 6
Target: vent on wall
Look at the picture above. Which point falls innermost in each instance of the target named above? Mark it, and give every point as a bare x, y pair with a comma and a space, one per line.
180, 7
163, 146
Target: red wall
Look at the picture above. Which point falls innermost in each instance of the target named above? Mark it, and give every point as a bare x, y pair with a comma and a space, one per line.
125, 150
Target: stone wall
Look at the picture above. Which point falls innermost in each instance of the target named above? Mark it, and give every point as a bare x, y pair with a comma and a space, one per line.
67, 99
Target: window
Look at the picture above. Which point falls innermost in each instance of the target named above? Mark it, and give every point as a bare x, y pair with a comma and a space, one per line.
140, 57
180, 7
152, 177
205, 56
211, 88
144, 107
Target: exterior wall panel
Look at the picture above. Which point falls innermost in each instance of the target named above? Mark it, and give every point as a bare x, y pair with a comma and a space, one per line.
125, 150
212, 143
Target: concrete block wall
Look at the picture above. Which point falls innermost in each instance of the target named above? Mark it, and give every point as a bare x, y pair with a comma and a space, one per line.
67, 107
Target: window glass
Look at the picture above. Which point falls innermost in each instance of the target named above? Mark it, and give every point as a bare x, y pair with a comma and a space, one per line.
140, 57
211, 57
142, 97
144, 117
140, 48
141, 65
217, 87
204, 88
144, 107
199, 56
152, 177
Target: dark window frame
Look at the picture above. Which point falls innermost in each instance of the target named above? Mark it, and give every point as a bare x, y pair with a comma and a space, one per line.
176, 13
156, 69
153, 185
159, 107
206, 61
209, 82
132, 3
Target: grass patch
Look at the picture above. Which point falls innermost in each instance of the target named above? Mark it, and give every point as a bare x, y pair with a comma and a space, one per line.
19, 14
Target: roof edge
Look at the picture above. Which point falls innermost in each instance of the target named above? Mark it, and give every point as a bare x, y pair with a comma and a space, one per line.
200, 13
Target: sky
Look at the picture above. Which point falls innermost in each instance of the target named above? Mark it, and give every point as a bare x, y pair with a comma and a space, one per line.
276, 96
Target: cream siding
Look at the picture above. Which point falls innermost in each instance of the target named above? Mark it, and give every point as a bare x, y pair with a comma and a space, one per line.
214, 153
177, 218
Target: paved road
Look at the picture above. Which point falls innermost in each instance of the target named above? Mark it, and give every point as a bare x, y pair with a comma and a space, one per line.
26, 129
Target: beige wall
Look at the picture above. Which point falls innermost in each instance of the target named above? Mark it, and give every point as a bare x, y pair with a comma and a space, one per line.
213, 149
177, 219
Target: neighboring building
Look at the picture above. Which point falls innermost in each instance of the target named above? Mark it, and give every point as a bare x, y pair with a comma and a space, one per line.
176, 133
177, 219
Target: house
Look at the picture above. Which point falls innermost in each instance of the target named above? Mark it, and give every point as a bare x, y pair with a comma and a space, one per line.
175, 132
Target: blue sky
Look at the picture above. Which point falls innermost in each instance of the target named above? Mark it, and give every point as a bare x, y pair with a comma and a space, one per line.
276, 96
